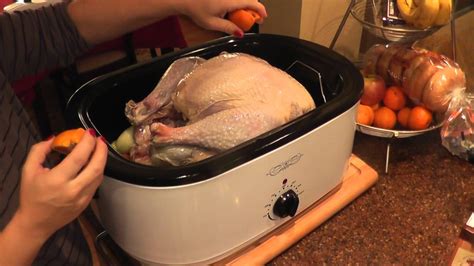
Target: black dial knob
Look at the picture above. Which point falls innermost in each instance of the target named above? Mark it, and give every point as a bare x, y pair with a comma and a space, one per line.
286, 204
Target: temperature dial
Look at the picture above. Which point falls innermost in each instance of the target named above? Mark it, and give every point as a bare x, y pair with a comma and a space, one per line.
286, 204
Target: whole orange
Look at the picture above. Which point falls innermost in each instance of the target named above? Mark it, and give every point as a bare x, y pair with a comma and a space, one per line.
385, 117
420, 118
403, 115
365, 115
394, 98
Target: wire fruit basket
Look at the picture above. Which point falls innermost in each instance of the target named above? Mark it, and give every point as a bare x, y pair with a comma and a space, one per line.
370, 15
438, 120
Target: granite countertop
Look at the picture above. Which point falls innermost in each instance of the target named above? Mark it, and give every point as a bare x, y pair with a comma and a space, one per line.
413, 214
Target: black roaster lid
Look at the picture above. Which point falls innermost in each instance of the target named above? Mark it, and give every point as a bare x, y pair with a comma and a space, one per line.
100, 103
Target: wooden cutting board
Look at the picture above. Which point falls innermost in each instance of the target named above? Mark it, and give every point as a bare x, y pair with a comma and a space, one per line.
358, 178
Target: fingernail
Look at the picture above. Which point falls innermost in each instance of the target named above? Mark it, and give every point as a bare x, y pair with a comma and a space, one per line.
91, 131
238, 33
48, 138
103, 139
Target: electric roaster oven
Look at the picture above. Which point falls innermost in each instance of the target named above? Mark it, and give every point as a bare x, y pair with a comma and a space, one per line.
208, 210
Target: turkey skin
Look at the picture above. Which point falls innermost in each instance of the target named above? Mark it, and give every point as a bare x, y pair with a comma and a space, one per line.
201, 107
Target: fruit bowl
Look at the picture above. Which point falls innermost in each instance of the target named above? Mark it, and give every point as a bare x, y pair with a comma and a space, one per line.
369, 14
438, 120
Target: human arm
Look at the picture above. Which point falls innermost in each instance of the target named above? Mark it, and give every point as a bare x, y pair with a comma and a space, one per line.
33, 40
101, 20
51, 198
54, 36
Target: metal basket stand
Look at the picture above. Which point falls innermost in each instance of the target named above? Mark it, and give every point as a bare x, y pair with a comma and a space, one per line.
395, 134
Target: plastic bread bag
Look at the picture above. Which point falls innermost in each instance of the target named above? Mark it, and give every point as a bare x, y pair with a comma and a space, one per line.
426, 77
457, 133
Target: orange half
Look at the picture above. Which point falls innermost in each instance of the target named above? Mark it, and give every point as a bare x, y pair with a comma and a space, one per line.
65, 141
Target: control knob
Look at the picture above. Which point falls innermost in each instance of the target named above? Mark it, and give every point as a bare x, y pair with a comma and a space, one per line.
286, 204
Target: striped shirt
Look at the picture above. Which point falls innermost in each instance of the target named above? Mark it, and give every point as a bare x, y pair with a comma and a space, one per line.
31, 41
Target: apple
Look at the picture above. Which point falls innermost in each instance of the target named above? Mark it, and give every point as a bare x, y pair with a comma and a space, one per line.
374, 90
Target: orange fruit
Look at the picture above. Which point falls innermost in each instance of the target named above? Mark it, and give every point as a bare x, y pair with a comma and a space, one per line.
394, 98
244, 18
385, 117
66, 140
403, 115
420, 118
365, 115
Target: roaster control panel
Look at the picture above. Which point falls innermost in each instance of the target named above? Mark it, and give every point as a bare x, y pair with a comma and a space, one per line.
284, 202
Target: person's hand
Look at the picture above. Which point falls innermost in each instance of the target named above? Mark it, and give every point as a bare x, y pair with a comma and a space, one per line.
210, 14
51, 198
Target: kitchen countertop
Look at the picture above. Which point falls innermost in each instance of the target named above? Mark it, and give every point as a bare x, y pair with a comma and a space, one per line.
413, 214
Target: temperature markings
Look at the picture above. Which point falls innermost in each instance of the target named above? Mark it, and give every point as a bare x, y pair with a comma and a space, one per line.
268, 207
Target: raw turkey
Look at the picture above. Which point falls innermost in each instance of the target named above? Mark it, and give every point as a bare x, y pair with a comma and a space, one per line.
201, 107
